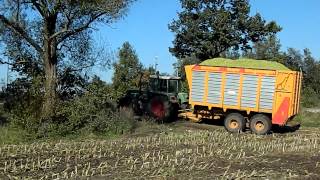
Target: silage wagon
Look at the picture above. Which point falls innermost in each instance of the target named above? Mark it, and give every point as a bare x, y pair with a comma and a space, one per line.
259, 96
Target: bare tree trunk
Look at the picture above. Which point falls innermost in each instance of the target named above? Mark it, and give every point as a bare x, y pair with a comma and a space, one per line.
50, 69
50, 88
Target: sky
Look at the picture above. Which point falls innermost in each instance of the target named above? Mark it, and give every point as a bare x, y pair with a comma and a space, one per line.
146, 28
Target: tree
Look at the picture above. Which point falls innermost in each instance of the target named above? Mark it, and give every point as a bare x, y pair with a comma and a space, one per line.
231, 53
311, 69
268, 48
127, 71
206, 28
52, 33
293, 59
307, 64
181, 63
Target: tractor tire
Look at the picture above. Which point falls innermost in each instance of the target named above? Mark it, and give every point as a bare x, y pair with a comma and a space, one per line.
162, 110
260, 124
129, 104
234, 123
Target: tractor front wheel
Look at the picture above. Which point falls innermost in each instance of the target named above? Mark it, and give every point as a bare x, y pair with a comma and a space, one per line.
162, 110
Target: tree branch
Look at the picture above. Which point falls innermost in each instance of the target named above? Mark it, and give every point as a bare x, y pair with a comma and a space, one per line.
57, 7
38, 7
20, 31
81, 68
11, 64
69, 32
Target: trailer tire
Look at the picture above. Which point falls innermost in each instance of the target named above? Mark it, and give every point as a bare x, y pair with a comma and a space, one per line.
260, 124
234, 123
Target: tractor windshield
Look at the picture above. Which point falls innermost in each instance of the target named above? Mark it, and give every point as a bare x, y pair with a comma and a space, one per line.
173, 86
164, 85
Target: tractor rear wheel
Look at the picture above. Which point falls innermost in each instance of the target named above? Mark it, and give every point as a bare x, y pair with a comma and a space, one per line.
234, 123
162, 110
260, 124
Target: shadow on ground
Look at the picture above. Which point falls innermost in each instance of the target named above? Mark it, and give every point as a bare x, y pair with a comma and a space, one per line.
216, 122
3, 120
285, 129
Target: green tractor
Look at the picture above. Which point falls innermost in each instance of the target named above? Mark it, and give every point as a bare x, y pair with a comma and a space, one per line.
161, 99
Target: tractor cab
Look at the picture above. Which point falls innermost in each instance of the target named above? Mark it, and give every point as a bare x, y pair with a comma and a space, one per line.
165, 84
168, 85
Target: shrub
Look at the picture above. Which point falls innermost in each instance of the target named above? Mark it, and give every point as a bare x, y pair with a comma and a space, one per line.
108, 122
23, 103
310, 98
308, 119
91, 111
11, 135
87, 114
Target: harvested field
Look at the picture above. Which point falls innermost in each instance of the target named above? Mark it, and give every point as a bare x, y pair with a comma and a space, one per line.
245, 63
181, 150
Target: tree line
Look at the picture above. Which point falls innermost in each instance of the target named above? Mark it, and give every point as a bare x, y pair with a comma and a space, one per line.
49, 45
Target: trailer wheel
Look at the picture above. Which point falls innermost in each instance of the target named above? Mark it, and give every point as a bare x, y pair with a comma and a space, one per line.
234, 122
260, 124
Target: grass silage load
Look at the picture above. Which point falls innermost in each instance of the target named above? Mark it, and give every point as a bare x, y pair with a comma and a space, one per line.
245, 63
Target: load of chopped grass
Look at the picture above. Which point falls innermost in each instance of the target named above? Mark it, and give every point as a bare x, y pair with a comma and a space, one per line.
245, 63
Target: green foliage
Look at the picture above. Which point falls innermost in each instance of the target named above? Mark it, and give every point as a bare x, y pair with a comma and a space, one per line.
128, 70
70, 84
112, 122
310, 98
294, 59
208, 28
23, 103
50, 37
181, 71
186, 61
89, 114
310, 68
91, 111
231, 53
23, 98
308, 119
268, 48
11, 135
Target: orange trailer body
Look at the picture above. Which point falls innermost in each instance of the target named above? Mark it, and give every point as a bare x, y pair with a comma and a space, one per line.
273, 92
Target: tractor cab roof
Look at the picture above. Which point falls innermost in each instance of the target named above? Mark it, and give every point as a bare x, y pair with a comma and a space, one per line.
165, 77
